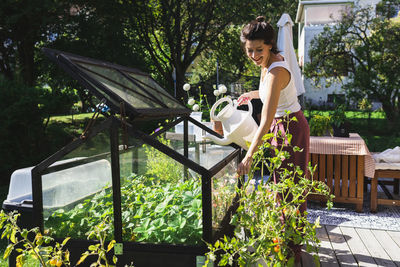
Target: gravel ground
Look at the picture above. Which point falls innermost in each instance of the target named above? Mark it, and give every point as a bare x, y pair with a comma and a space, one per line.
386, 218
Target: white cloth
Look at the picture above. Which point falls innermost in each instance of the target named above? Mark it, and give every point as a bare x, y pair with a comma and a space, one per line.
285, 46
391, 155
287, 98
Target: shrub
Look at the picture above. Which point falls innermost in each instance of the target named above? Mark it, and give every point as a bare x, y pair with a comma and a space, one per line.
320, 125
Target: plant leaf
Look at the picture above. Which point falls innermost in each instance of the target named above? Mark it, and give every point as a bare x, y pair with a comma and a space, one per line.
110, 245
8, 250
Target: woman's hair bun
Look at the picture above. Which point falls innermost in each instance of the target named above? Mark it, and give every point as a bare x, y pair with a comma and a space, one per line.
260, 19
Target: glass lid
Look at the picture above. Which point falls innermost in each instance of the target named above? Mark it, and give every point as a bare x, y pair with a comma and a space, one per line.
141, 94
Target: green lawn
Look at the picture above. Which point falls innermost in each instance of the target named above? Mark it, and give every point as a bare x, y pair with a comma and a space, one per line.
72, 118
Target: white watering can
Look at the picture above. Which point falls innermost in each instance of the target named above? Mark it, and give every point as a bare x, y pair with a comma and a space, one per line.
238, 125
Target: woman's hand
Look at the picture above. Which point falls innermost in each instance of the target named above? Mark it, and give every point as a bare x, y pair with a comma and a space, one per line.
244, 98
244, 166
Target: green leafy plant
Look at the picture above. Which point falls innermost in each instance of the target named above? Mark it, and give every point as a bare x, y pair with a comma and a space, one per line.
320, 125
151, 212
161, 166
338, 116
42, 248
268, 221
99, 232
31, 243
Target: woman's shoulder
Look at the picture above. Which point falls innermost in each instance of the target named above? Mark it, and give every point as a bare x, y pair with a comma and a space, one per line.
279, 62
279, 67
280, 71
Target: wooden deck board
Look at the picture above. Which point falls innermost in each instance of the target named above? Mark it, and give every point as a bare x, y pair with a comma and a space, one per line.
374, 247
349, 246
341, 249
357, 247
326, 253
388, 244
395, 236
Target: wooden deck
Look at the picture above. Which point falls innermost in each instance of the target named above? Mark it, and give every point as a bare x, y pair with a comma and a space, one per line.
348, 246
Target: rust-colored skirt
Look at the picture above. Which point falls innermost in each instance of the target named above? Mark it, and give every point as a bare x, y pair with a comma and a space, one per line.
300, 132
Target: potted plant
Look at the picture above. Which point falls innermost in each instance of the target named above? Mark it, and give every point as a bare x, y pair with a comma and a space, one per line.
339, 122
268, 222
320, 125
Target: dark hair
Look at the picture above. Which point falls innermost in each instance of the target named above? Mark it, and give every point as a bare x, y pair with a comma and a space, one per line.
259, 29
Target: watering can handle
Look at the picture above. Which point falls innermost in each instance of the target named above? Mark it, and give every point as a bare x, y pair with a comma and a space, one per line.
227, 99
250, 112
220, 101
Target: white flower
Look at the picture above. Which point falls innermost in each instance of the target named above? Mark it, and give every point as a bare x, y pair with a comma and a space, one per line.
216, 92
252, 182
186, 87
222, 89
195, 107
191, 101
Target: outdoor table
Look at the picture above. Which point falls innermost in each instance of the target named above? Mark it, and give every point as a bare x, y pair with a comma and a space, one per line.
342, 163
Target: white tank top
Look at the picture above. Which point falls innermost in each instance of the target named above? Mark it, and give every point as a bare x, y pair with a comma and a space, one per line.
288, 97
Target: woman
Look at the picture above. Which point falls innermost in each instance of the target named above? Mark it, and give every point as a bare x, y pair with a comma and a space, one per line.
276, 91
278, 94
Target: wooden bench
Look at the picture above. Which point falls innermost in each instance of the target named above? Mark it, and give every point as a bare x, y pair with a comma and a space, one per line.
344, 175
385, 170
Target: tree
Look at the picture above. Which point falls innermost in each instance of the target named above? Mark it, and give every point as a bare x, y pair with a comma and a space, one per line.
367, 48
24, 25
175, 32
21, 127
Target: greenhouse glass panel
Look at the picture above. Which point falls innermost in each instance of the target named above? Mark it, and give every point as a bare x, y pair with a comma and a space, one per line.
120, 85
77, 191
149, 84
142, 96
204, 153
158, 203
223, 193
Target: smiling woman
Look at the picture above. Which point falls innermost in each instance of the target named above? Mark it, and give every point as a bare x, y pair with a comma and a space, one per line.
278, 93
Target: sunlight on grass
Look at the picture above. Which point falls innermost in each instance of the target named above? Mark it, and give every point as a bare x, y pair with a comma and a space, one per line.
349, 114
71, 118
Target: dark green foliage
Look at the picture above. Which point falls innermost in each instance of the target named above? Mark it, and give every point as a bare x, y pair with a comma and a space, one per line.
21, 127
25, 25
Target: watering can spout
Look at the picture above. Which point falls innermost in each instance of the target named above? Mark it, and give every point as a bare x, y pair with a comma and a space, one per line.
220, 141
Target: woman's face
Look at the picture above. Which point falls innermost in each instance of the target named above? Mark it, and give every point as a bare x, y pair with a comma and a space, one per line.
258, 52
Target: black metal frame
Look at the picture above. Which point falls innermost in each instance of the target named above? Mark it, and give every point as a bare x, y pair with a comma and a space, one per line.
113, 100
112, 124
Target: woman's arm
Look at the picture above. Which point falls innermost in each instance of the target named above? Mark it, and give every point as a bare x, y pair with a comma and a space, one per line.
246, 97
278, 78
